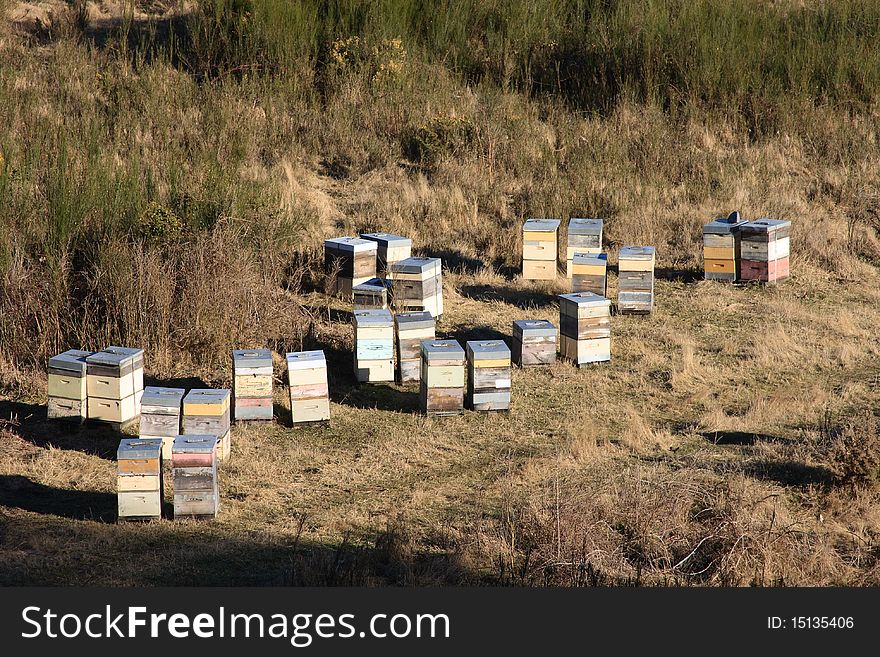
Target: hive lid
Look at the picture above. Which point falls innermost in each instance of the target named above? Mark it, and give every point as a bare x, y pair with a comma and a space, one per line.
159, 396
584, 299
387, 239
207, 396
350, 244
541, 225
306, 360
373, 317
251, 358
194, 444
488, 349
766, 225
724, 225
136, 352
533, 327
416, 265
600, 259
414, 320
111, 359
375, 285
72, 360
139, 448
637, 253
579, 226
442, 349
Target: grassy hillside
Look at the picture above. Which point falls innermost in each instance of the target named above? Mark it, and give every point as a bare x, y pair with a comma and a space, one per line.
169, 171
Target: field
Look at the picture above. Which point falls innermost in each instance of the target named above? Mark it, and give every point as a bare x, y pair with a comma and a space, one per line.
169, 170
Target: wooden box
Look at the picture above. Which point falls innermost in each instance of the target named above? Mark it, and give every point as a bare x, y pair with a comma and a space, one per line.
160, 415
584, 327
352, 260
765, 248
441, 385
390, 249
540, 249
206, 411
589, 273
139, 478
137, 363
309, 389
534, 342
373, 345
252, 381
195, 476
635, 277
67, 386
372, 294
584, 236
411, 329
110, 375
489, 375
418, 285
721, 248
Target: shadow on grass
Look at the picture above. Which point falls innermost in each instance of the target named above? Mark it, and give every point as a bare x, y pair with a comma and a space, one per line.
521, 298
465, 334
686, 276
23, 493
788, 473
741, 438
379, 396
455, 261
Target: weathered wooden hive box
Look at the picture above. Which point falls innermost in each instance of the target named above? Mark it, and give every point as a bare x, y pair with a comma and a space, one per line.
534, 342
411, 329
390, 249
489, 375
721, 248
252, 384
372, 294
584, 236
373, 345
352, 259
68, 396
160, 415
635, 279
195, 476
765, 248
540, 249
139, 478
584, 328
418, 285
309, 388
441, 389
589, 273
206, 412
115, 383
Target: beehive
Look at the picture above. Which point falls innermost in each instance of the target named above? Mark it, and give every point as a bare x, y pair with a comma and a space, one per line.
206, 413
352, 260
139, 479
635, 280
411, 329
764, 250
534, 342
441, 388
584, 328
584, 236
373, 345
67, 386
160, 415
390, 249
372, 294
489, 375
589, 273
196, 483
721, 248
115, 383
252, 384
309, 389
540, 249
418, 285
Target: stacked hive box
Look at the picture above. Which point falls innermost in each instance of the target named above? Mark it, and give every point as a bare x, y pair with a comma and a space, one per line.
252, 384
588, 273
540, 249
635, 279
67, 386
139, 478
372, 294
441, 388
585, 327
584, 236
373, 345
196, 485
721, 248
534, 342
309, 391
206, 413
115, 383
488, 375
765, 249
160, 415
412, 329
352, 259
418, 285
390, 249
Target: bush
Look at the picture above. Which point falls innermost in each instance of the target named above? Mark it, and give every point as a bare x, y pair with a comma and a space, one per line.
854, 455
